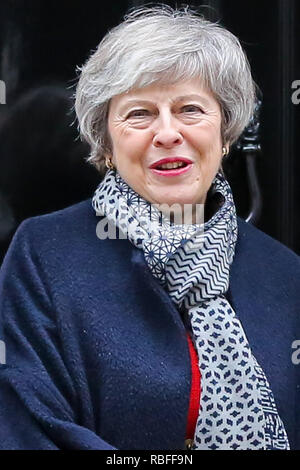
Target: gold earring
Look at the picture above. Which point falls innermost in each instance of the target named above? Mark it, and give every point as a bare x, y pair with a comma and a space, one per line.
108, 163
225, 152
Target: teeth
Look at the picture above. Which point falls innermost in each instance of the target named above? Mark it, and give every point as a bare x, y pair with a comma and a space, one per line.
171, 166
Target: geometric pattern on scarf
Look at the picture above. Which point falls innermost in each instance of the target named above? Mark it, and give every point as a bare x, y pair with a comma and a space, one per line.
192, 262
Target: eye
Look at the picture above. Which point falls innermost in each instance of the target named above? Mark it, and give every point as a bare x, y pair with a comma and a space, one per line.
191, 108
138, 113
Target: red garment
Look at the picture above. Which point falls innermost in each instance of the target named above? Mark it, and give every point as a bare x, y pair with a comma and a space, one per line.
195, 391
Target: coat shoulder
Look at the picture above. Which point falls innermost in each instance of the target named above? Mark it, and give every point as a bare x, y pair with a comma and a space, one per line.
73, 225
265, 268
63, 218
256, 246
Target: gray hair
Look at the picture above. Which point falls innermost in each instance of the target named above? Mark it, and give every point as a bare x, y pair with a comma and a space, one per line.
162, 44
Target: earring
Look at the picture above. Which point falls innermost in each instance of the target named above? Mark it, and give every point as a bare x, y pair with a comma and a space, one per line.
225, 152
108, 163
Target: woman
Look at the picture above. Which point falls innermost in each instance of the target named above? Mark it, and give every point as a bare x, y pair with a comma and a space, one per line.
140, 321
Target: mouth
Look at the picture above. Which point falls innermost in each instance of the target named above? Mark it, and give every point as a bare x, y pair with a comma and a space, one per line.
172, 166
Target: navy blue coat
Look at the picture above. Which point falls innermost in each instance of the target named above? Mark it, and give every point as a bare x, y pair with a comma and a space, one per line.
96, 352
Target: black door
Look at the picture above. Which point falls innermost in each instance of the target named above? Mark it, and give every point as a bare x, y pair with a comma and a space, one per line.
43, 42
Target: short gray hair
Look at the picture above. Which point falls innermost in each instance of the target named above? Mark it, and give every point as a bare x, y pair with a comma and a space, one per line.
162, 44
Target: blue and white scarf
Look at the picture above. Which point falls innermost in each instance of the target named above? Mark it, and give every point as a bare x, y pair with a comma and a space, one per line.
192, 262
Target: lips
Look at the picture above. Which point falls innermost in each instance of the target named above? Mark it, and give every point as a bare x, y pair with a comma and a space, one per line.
170, 167
166, 164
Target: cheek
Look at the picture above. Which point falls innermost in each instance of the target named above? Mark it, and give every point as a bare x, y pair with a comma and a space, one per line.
131, 145
207, 136
208, 142
214, 146
209, 148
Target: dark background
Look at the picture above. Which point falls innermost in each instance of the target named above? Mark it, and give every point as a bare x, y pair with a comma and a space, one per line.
42, 164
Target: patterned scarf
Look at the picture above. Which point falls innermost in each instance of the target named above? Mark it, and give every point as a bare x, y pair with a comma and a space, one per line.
192, 262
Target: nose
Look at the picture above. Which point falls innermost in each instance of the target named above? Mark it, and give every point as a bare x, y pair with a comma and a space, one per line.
167, 134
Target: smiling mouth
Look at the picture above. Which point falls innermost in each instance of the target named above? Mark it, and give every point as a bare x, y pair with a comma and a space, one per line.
171, 166
172, 163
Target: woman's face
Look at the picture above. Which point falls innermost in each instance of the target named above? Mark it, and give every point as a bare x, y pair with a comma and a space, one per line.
166, 141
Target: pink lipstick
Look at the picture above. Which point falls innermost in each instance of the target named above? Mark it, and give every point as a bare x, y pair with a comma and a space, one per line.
163, 167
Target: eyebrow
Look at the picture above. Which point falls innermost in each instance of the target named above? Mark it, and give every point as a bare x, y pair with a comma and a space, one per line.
134, 101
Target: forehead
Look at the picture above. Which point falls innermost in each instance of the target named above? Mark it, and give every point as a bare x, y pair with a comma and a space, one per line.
158, 93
